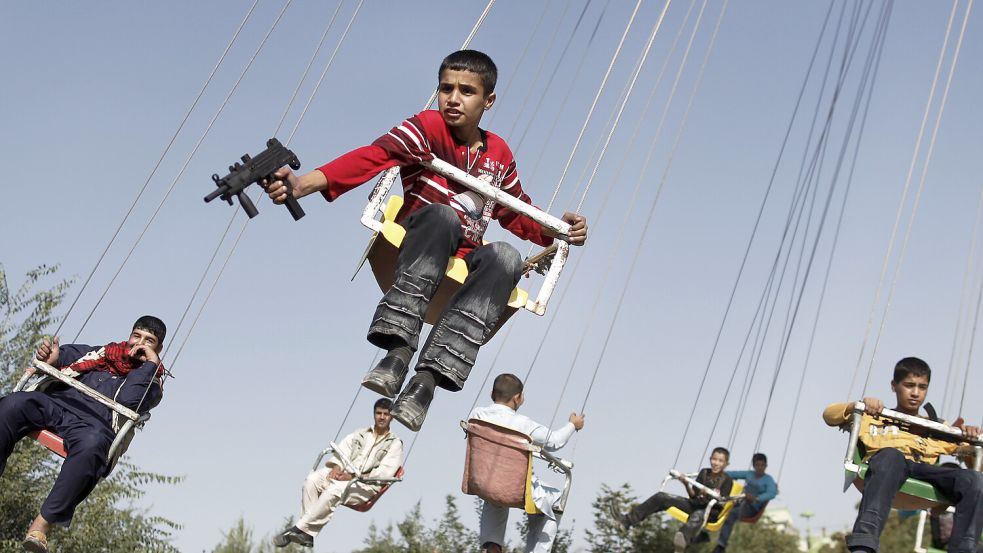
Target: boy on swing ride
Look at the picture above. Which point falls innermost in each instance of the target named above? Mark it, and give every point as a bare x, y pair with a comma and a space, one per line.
127, 371
893, 455
695, 504
442, 219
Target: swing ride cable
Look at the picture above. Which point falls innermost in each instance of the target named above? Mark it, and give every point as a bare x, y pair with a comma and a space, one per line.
897, 220
638, 183
812, 176
183, 169
965, 291
818, 236
749, 377
569, 89
590, 112
873, 72
972, 341
655, 200
754, 230
235, 212
556, 68
539, 70
160, 160
574, 271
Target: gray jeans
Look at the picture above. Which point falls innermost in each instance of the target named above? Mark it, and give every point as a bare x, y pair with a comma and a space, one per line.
433, 234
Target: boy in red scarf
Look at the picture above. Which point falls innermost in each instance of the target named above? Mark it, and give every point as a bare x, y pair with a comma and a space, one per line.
127, 371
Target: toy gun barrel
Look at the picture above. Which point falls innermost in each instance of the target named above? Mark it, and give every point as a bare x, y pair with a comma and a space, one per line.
253, 170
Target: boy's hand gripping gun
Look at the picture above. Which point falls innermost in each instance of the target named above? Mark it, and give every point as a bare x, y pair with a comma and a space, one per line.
253, 170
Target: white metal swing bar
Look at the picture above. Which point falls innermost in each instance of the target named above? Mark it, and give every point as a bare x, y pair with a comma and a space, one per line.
547, 221
350, 467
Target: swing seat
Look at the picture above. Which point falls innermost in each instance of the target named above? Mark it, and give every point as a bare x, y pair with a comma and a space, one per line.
365, 507
682, 516
755, 518
498, 465
50, 440
54, 443
914, 494
383, 249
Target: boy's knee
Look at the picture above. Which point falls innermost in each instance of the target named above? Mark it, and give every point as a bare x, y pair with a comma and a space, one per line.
506, 256
94, 446
440, 214
970, 483
886, 457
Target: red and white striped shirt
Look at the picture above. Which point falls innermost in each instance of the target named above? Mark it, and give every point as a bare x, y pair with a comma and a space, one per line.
423, 137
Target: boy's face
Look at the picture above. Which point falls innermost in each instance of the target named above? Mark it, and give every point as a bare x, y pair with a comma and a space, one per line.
910, 392
718, 462
141, 337
759, 467
461, 98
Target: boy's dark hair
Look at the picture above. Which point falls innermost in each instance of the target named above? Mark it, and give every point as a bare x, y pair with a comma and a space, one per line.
475, 62
722, 450
759, 457
911, 366
383, 403
505, 387
152, 325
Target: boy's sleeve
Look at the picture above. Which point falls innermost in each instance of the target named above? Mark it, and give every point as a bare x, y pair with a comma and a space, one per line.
406, 144
771, 490
519, 225
141, 391
70, 353
738, 474
837, 414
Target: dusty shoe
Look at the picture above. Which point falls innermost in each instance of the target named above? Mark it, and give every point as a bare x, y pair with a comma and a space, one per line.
387, 377
36, 542
679, 542
293, 535
411, 406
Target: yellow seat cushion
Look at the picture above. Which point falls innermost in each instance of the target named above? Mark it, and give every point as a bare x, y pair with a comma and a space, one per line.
714, 526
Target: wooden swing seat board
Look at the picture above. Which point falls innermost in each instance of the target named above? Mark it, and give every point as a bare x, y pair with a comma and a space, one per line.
364, 507
715, 526
498, 466
382, 254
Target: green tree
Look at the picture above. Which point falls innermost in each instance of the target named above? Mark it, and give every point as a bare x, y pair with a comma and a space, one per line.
652, 535
239, 539
762, 536
108, 521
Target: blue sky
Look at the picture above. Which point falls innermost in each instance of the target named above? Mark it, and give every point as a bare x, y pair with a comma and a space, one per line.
95, 92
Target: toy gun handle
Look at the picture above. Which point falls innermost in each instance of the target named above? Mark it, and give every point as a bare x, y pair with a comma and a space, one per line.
248, 206
293, 206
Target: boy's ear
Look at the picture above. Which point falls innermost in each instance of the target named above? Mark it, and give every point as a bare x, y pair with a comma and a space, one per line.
490, 100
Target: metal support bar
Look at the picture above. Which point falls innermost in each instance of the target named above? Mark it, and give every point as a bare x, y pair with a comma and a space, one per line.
85, 390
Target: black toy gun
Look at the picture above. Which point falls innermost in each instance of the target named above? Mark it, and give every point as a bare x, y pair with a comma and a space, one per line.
253, 170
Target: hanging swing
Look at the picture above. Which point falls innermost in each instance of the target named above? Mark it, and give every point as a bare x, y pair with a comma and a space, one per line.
386, 482
727, 502
498, 467
381, 253
125, 421
914, 494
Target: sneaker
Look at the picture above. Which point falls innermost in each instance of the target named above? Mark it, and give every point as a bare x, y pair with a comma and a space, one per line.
293, 535
702, 537
36, 542
619, 518
387, 377
679, 542
719, 549
411, 406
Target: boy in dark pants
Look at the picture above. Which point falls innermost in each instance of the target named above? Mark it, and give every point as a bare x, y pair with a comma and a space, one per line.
442, 219
893, 455
695, 504
126, 371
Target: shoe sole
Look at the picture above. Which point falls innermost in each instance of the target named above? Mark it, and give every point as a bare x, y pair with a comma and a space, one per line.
380, 387
34, 547
679, 542
411, 420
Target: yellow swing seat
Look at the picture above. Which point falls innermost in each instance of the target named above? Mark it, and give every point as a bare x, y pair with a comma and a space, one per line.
382, 254
682, 516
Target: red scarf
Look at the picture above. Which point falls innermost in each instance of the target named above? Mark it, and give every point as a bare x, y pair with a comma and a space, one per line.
114, 357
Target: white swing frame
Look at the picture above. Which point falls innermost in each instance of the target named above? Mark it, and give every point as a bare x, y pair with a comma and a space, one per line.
370, 218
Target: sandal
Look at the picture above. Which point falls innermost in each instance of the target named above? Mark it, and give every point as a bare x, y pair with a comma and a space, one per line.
36, 542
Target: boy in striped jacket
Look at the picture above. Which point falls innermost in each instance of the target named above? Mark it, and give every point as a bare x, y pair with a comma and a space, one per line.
442, 219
